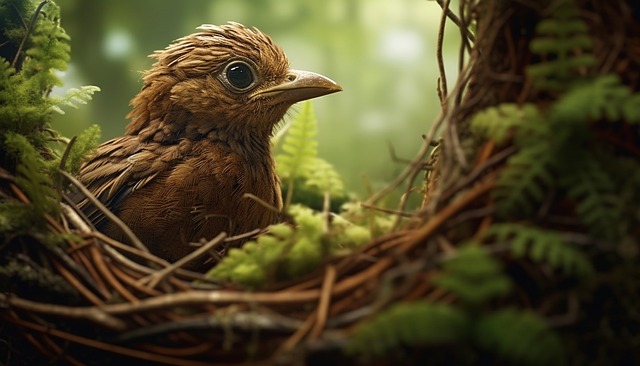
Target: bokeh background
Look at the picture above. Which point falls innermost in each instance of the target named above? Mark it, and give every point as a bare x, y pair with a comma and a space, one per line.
382, 52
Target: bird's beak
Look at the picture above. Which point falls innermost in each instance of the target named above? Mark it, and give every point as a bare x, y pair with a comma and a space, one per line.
299, 85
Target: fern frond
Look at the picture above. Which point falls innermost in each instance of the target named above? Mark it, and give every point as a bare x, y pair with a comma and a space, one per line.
325, 178
413, 324
287, 252
563, 40
474, 276
604, 97
525, 180
73, 98
32, 175
598, 204
49, 50
542, 245
496, 122
520, 338
299, 147
85, 144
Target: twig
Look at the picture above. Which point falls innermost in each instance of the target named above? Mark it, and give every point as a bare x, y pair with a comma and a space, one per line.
462, 25
93, 314
442, 85
141, 355
408, 171
155, 278
121, 225
324, 303
385, 210
32, 24
245, 321
103, 268
261, 202
435, 222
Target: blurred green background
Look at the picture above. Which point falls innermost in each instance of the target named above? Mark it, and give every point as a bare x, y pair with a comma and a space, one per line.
383, 53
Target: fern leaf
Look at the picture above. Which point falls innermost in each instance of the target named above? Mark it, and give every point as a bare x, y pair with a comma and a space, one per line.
598, 204
73, 98
542, 245
474, 276
299, 146
496, 122
325, 178
564, 40
414, 324
49, 50
33, 177
85, 144
520, 338
604, 97
523, 183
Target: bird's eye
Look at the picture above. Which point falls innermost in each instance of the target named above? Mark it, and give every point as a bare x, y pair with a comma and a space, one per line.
239, 75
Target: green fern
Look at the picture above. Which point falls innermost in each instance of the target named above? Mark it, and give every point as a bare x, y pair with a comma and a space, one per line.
563, 40
300, 147
299, 163
409, 324
496, 122
604, 97
542, 245
26, 110
474, 276
32, 175
84, 146
74, 97
288, 252
49, 51
325, 178
596, 194
524, 182
519, 337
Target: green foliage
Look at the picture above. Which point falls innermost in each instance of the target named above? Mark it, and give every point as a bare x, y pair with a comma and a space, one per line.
409, 324
563, 41
598, 202
35, 48
498, 121
287, 252
74, 97
300, 146
603, 97
84, 146
519, 337
32, 175
541, 245
476, 278
298, 161
556, 152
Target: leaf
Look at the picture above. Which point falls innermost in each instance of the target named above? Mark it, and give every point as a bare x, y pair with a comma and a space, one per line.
496, 122
598, 203
408, 324
520, 338
299, 145
474, 276
74, 97
542, 245
525, 180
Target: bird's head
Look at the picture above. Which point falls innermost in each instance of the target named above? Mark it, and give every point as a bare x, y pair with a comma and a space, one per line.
228, 78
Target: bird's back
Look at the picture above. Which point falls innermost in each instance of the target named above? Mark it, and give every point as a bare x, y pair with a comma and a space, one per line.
178, 194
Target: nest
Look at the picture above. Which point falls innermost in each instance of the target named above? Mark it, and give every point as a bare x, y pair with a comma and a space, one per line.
101, 301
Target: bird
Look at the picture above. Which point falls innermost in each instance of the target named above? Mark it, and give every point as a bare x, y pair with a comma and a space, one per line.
199, 142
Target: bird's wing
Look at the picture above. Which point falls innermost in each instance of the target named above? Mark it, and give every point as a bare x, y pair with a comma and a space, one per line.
120, 167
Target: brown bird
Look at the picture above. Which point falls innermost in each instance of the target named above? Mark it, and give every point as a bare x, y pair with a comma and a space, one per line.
199, 140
